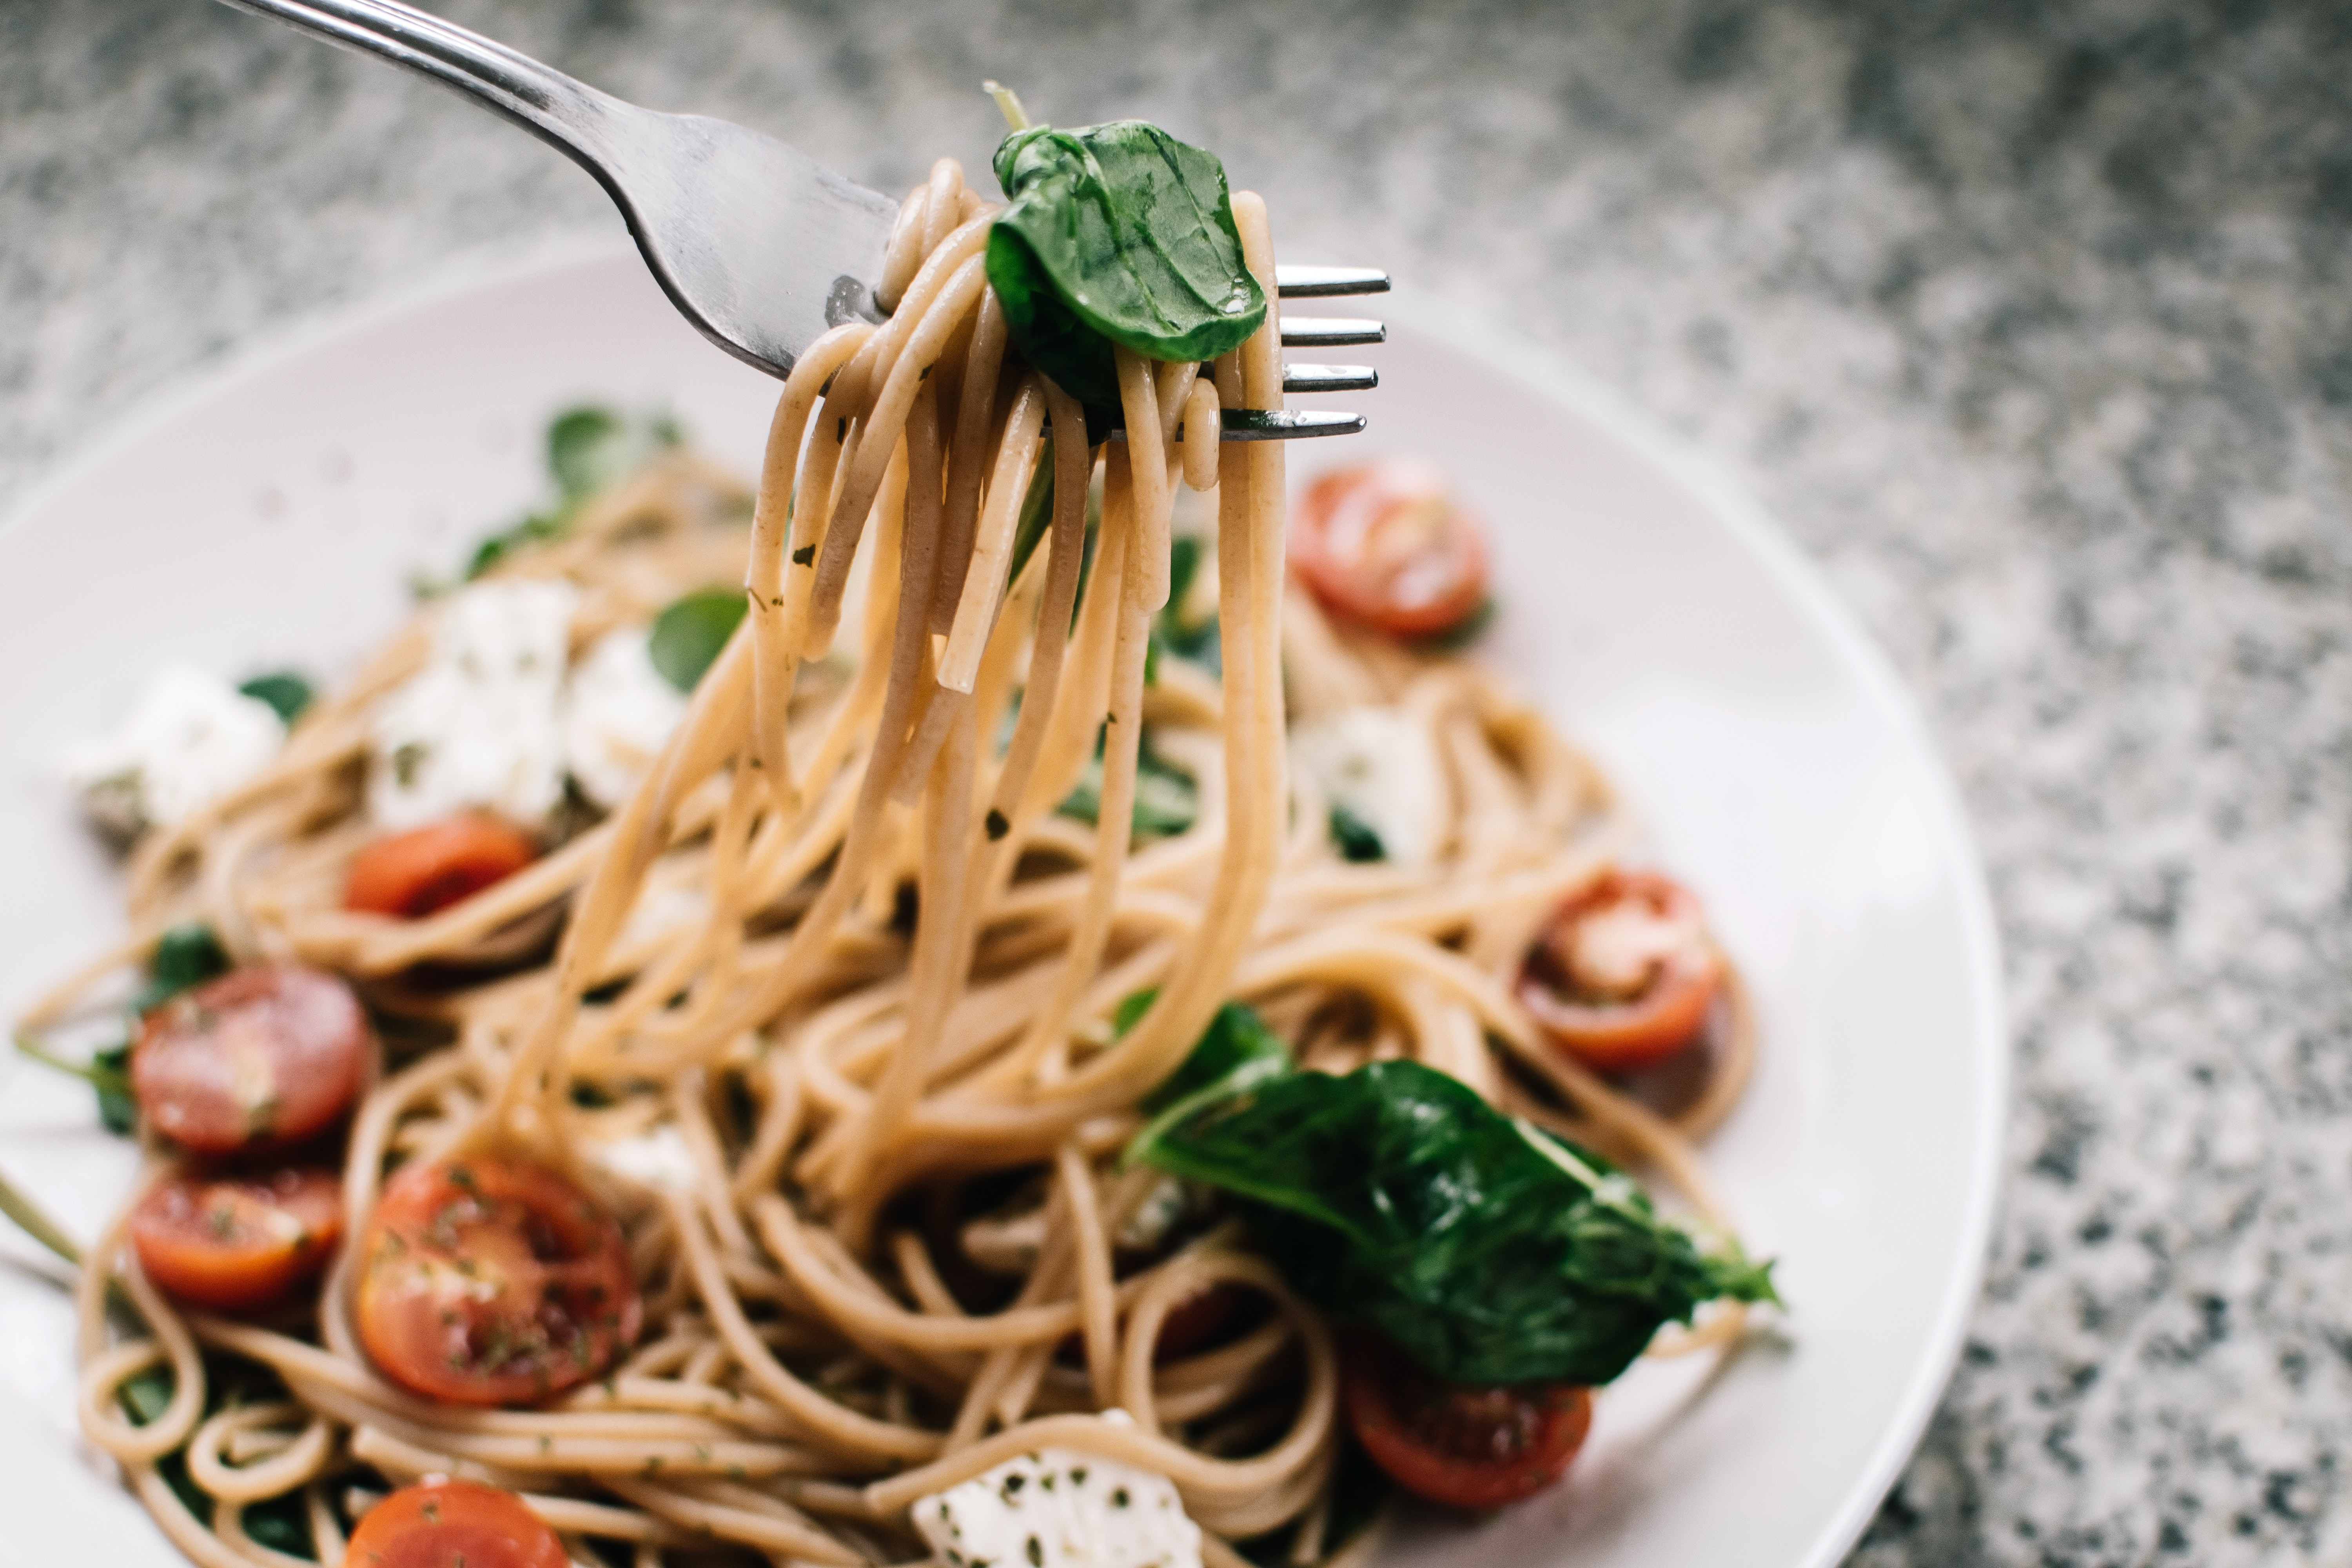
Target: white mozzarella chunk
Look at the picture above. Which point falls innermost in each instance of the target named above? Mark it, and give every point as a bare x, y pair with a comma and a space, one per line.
1061, 1509
1378, 764
481, 725
621, 711
190, 738
658, 1158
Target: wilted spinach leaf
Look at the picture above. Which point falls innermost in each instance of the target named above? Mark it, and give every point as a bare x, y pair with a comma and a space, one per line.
1358, 840
688, 634
1165, 799
588, 450
185, 956
1116, 234
1490, 1251
286, 692
1236, 1049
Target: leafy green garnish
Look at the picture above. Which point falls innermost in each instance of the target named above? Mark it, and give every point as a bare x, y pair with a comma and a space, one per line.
118, 1108
286, 692
1167, 801
1116, 234
690, 634
1358, 840
1236, 1049
107, 1071
185, 956
589, 449
1036, 511
1488, 1250
281, 1522
1170, 632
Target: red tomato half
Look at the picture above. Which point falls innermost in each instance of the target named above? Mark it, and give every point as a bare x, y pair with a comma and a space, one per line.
1623, 975
413, 874
259, 1058
453, 1524
241, 1242
1459, 1445
493, 1281
1384, 545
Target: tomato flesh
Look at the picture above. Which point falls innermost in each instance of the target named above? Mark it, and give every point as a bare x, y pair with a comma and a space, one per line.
1384, 545
493, 1281
259, 1058
411, 875
238, 1243
1624, 976
1458, 1445
453, 1524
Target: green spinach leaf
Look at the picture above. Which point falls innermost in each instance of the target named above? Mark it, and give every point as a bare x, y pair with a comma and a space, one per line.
688, 634
185, 956
1358, 840
1167, 800
1490, 1251
588, 450
1234, 1050
1116, 234
286, 692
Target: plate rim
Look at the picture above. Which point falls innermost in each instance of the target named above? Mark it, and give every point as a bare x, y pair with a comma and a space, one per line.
1546, 373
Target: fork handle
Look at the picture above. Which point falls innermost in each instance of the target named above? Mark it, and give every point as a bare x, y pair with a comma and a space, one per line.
556, 107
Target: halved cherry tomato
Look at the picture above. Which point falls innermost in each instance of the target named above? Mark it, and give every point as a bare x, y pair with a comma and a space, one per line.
261, 1057
1385, 544
413, 874
491, 1281
238, 1242
1456, 1443
453, 1524
1623, 975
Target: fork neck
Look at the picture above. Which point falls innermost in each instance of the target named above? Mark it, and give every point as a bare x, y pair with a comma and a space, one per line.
557, 107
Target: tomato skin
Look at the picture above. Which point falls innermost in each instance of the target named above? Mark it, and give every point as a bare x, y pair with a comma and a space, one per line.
238, 1243
1383, 545
1457, 1445
411, 875
453, 1524
1664, 1009
493, 1281
258, 1058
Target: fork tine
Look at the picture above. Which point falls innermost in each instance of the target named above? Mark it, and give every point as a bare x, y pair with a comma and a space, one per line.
1287, 424
1327, 282
1330, 378
1274, 425
1329, 332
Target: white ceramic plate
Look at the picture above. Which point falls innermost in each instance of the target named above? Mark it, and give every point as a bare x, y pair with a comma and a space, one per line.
272, 516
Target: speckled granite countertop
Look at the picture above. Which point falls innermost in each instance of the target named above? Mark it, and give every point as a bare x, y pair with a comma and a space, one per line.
2033, 323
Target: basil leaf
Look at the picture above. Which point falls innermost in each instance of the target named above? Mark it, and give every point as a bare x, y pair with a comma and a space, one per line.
1036, 511
1486, 1249
1116, 234
108, 1072
185, 956
286, 692
1167, 800
590, 448
688, 635
1235, 1042
118, 1108
1358, 840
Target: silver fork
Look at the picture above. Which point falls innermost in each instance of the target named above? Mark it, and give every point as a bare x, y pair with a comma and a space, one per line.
756, 243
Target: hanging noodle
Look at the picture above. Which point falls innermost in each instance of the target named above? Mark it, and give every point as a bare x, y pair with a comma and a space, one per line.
805, 1370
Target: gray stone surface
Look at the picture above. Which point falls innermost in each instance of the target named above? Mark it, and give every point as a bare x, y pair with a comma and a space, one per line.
2031, 322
